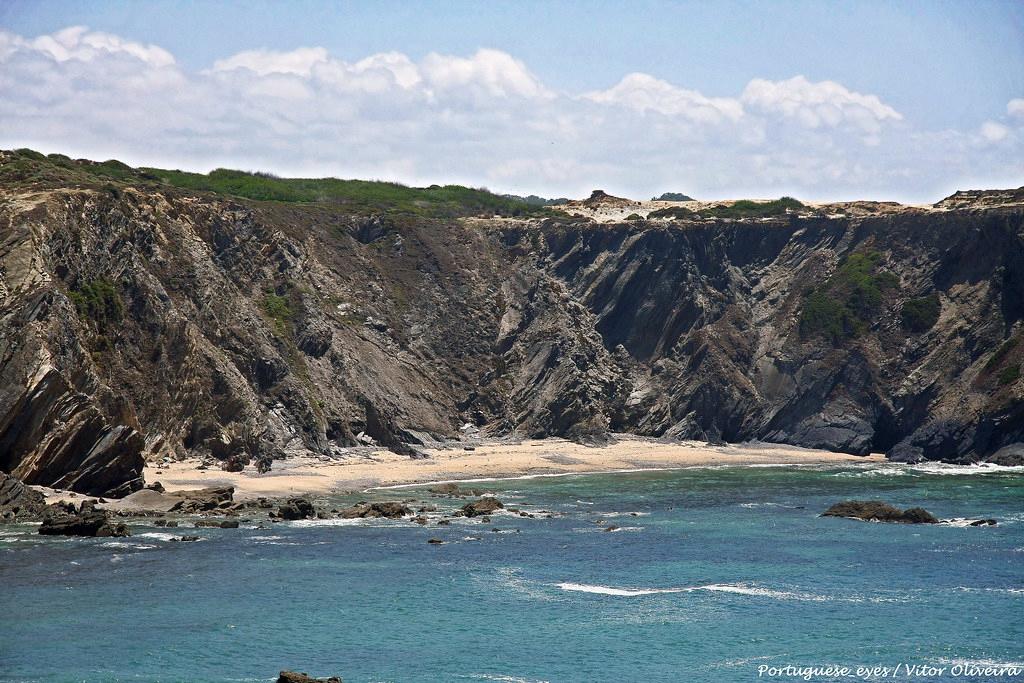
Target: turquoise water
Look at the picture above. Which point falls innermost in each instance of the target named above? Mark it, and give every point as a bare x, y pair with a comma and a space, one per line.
720, 571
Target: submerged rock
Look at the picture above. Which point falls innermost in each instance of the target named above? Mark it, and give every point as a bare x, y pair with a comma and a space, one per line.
878, 511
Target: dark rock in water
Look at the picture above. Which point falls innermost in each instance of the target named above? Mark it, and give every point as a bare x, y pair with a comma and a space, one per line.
296, 508
484, 506
435, 541
878, 511
391, 510
984, 522
64, 520
295, 677
186, 539
18, 502
448, 489
217, 524
611, 528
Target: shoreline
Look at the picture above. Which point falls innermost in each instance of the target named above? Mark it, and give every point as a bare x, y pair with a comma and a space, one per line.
369, 469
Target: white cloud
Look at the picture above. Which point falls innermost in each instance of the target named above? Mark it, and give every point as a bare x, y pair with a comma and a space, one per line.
80, 44
482, 119
263, 62
994, 132
1015, 107
815, 105
642, 92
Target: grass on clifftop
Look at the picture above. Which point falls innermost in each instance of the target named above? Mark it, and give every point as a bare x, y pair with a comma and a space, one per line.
27, 167
744, 208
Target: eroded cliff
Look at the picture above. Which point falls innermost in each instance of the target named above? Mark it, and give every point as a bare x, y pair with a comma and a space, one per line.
138, 319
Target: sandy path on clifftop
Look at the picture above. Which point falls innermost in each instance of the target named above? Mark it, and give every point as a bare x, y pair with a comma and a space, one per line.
301, 475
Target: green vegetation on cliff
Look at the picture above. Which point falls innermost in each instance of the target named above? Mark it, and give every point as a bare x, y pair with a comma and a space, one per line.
743, 208
746, 208
27, 167
98, 301
920, 315
845, 305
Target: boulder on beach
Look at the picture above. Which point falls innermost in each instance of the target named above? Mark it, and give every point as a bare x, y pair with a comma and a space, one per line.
295, 508
200, 500
878, 511
484, 506
388, 509
194, 500
296, 677
65, 520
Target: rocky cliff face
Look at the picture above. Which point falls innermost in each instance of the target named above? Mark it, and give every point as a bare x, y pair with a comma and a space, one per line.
137, 322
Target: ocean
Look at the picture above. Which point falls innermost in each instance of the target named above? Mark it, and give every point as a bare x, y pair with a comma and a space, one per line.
712, 574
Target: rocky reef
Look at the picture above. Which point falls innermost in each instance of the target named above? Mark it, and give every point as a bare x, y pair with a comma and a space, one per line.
141, 320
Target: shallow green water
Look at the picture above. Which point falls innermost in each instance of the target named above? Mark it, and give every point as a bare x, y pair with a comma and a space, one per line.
711, 574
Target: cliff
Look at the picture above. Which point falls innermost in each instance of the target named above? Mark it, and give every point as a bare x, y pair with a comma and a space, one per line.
142, 315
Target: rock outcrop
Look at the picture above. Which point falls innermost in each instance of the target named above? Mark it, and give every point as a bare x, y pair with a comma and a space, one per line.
65, 520
389, 509
484, 506
295, 677
140, 320
18, 502
295, 508
877, 511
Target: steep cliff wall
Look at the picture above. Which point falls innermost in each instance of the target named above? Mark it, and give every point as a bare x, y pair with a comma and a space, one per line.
142, 321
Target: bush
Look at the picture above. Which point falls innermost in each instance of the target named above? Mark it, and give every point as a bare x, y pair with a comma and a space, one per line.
672, 212
672, 197
1009, 375
746, 208
277, 309
98, 301
848, 301
823, 315
921, 314
634, 217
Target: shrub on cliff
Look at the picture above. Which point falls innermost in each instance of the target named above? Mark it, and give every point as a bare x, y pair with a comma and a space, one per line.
98, 301
845, 305
919, 315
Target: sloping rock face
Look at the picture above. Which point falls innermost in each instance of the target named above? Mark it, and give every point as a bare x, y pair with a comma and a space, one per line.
19, 502
141, 323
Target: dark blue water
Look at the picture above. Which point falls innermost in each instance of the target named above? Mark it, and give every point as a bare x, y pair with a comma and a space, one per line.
719, 572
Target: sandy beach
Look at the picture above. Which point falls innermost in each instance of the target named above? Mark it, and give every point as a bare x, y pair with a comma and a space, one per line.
368, 469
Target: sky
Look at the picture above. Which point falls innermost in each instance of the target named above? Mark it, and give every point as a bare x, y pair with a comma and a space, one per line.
906, 101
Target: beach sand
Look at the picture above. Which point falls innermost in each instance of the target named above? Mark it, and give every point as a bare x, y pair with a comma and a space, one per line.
368, 469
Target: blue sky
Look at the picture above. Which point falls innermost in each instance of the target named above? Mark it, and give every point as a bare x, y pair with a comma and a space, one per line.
943, 74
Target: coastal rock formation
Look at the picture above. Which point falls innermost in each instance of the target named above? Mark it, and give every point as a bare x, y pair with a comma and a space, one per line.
142, 320
65, 520
390, 510
18, 502
877, 511
295, 677
484, 506
295, 508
